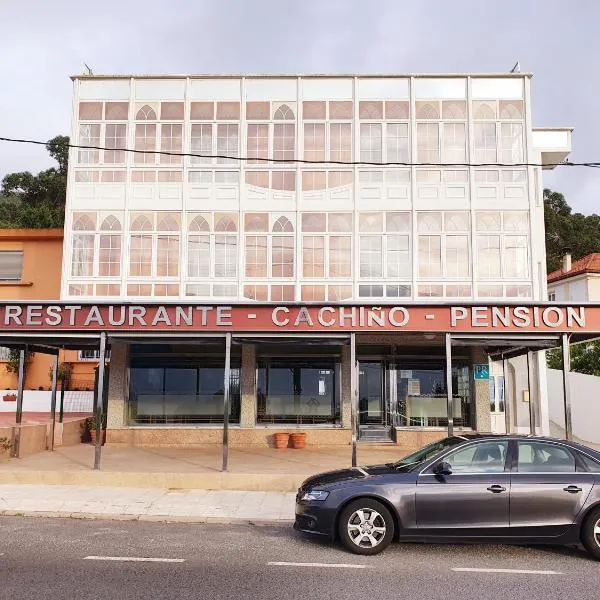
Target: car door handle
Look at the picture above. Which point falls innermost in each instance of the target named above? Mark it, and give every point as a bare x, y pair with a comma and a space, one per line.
496, 489
572, 489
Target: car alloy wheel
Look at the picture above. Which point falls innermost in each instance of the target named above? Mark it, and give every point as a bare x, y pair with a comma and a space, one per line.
366, 528
597, 532
590, 533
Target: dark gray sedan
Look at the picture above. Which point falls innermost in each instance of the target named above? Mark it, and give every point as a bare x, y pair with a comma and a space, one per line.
492, 488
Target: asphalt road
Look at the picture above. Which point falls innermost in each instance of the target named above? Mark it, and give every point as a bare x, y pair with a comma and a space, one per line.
46, 558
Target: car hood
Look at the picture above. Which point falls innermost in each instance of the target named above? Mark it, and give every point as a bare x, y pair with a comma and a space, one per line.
354, 473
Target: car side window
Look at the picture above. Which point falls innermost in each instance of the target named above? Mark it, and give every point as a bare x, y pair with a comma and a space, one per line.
485, 457
590, 465
539, 457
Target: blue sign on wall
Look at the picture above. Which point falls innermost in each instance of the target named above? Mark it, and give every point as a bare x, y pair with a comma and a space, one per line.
481, 371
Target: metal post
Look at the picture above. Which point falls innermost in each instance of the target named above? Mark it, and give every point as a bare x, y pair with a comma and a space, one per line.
531, 403
566, 384
53, 400
226, 385
449, 385
61, 411
506, 398
100, 395
353, 396
19, 413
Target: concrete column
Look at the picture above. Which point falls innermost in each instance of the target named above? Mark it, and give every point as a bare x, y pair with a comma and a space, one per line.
248, 386
481, 389
117, 386
345, 388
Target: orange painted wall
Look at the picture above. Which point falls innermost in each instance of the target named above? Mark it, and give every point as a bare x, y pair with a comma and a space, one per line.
42, 263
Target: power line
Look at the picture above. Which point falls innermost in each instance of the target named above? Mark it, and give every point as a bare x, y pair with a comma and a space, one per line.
353, 163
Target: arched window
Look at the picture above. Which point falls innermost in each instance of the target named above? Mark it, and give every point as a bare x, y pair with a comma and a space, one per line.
141, 223
430, 222
489, 221
283, 225
225, 224
167, 222
284, 113
484, 111
456, 221
454, 110
84, 222
508, 110
199, 224
110, 223
146, 113
427, 111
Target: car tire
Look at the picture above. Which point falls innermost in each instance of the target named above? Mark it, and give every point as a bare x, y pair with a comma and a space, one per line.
366, 527
590, 533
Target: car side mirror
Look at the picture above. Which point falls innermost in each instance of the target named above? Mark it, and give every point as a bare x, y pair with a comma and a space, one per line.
443, 468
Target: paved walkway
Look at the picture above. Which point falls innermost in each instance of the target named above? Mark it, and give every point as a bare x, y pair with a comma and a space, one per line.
146, 504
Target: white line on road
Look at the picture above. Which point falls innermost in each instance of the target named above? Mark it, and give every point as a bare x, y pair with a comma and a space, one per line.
135, 559
324, 565
522, 571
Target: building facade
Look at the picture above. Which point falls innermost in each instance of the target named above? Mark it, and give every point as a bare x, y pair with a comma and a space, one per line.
30, 269
576, 281
303, 189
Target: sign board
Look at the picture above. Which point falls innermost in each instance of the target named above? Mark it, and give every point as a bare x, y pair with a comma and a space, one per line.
481, 371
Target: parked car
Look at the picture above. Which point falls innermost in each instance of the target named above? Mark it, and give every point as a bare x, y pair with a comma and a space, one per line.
492, 488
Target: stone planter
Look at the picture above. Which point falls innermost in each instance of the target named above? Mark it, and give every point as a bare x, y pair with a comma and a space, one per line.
93, 436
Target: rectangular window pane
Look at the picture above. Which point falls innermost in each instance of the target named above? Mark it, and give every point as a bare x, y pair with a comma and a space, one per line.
258, 142
511, 143
484, 136
313, 256
11, 265
145, 140
83, 255
457, 256
109, 260
256, 256
430, 256
370, 143
488, 256
455, 145
516, 256
171, 140
340, 142
398, 256
115, 137
201, 143
371, 256
428, 143
314, 141
140, 256
340, 256
283, 256
89, 135
228, 142
284, 141
226, 256
198, 256
396, 142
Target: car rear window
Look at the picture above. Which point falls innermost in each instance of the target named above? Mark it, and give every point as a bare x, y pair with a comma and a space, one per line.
590, 464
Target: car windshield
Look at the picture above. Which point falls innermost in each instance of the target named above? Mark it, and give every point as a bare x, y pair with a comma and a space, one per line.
427, 452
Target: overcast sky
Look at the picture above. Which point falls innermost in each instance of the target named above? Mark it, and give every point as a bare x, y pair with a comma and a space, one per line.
44, 42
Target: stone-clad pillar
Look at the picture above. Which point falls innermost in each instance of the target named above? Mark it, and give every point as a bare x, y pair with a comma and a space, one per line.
345, 388
248, 386
481, 388
117, 390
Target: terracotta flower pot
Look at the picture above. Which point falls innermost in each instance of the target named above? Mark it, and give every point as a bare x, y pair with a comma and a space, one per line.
9, 398
298, 440
281, 440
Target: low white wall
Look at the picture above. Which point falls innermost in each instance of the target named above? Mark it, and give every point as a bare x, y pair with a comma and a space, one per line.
585, 406
39, 401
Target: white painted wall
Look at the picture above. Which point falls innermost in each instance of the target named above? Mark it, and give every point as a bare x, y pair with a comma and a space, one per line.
585, 406
39, 401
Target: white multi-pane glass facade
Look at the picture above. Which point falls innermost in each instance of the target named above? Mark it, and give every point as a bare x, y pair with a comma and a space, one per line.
304, 189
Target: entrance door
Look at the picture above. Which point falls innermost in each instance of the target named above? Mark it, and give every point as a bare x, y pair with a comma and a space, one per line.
373, 412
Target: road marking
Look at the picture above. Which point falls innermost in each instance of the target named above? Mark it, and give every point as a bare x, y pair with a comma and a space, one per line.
522, 571
324, 565
135, 559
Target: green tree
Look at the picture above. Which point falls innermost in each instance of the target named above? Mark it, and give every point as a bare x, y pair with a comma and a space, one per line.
585, 358
37, 201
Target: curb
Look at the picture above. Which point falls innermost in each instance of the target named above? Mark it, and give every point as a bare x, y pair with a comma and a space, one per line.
147, 518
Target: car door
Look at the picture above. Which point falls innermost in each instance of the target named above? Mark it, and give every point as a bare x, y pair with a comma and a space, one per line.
473, 499
547, 489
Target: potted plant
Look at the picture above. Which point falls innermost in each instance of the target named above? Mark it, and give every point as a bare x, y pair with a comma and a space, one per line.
90, 424
281, 440
5, 446
9, 397
298, 439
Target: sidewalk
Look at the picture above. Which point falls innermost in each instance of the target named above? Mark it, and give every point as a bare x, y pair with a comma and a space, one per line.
147, 504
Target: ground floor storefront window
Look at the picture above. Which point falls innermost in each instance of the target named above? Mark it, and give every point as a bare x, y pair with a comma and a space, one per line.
181, 389
298, 390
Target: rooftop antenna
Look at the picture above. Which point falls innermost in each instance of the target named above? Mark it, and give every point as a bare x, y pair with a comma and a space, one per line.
516, 68
87, 69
